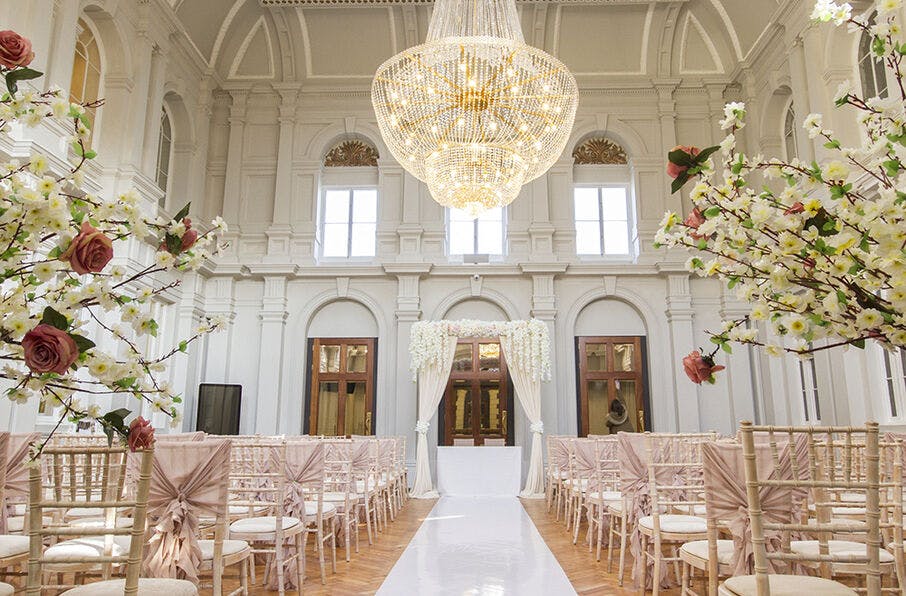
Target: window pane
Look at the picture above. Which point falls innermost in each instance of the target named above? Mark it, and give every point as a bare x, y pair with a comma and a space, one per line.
613, 204
598, 407
596, 357
462, 237
492, 215
336, 238
588, 238
489, 408
462, 407
623, 356
462, 358
626, 392
489, 357
458, 215
328, 403
354, 416
363, 236
329, 360
490, 237
364, 206
356, 358
616, 238
336, 206
586, 200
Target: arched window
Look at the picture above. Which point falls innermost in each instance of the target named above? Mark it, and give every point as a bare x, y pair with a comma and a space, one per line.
871, 68
164, 146
476, 237
85, 84
349, 201
789, 133
602, 199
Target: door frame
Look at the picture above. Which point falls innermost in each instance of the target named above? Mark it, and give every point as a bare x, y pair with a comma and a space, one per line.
442, 434
640, 362
313, 375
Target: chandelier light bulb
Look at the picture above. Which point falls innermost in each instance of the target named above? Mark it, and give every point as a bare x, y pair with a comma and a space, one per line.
482, 112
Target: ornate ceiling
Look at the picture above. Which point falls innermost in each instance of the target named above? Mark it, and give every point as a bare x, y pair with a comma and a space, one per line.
340, 43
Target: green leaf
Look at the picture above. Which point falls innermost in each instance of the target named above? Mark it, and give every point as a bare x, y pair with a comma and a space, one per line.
54, 319
173, 243
125, 383
91, 154
860, 343
701, 244
77, 148
183, 345
892, 167
177, 399
712, 212
19, 74
726, 347
835, 144
681, 158
84, 343
182, 212
679, 182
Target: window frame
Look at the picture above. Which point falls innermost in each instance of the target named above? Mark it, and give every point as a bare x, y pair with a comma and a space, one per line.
809, 390
93, 114
165, 111
460, 257
789, 132
322, 206
861, 57
892, 384
631, 253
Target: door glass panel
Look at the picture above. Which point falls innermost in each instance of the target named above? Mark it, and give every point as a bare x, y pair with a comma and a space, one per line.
489, 357
329, 359
596, 357
328, 405
462, 359
490, 408
623, 355
598, 407
355, 408
625, 392
462, 407
356, 359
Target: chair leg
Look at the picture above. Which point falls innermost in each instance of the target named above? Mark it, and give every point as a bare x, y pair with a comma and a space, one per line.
610, 532
333, 543
368, 522
601, 516
684, 582
346, 535
244, 574
278, 558
622, 548
656, 576
319, 537
643, 580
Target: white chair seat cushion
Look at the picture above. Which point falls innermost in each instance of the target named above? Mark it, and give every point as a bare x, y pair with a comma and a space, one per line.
13, 546
311, 509
77, 512
100, 522
85, 548
6, 589
146, 587
608, 496
230, 547
246, 509
676, 524
615, 506
699, 550
786, 585
262, 525
809, 548
337, 497
14, 524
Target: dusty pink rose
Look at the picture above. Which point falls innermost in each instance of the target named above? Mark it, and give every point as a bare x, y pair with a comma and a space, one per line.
141, 434
89, 251
15, 50
190, 237
674, 170
700, 368
48, 349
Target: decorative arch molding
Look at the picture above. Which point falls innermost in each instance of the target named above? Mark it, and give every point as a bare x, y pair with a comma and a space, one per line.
180, 117
221, 34
599, 150
352, 152
335, 133
329, 296
612, 128
494, 297
115, 53
774, 112
260, 25
692, 25
628, 297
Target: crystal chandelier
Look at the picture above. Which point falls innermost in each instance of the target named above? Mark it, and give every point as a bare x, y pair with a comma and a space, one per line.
474, 112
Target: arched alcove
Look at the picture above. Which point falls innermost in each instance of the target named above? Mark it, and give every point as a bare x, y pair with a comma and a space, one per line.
609, 317
343, 318
477, 309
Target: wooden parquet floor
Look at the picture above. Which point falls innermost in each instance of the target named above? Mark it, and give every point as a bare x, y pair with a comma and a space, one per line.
367, 570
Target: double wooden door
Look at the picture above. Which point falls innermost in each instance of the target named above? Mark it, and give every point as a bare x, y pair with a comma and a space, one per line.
342, 387
478, 401
610, 369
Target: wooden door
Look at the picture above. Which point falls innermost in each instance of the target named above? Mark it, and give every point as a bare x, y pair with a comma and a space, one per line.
342, 387
611, 368
477, 401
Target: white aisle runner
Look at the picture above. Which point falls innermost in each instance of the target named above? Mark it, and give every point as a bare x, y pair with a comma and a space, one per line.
477, 546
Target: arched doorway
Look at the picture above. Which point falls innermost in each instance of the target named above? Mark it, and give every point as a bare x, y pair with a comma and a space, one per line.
611, 369
341, 360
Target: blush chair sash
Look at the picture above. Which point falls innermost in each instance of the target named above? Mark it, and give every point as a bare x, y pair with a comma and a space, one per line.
189, 479
16, 484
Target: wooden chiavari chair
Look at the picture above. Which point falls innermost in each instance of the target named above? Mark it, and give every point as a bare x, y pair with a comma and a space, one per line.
100, 469
822, 481
606, 492
340, 488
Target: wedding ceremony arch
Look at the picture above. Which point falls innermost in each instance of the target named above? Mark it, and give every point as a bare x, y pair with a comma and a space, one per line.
526, 347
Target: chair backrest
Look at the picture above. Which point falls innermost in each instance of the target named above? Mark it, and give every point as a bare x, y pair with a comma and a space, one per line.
675, 474
254, 483
189, 480
826, 480
607, 464
180, 437
99, 472
303, 478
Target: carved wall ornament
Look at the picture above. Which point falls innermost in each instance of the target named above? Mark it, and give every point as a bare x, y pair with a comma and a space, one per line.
351, 154
598, 150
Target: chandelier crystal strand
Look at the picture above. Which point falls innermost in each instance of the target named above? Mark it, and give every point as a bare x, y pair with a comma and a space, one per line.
474, 112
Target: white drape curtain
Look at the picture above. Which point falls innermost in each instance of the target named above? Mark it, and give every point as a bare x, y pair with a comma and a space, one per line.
528, 390
432, 380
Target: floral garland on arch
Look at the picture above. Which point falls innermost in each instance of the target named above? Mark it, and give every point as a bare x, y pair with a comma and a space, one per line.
428, 340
